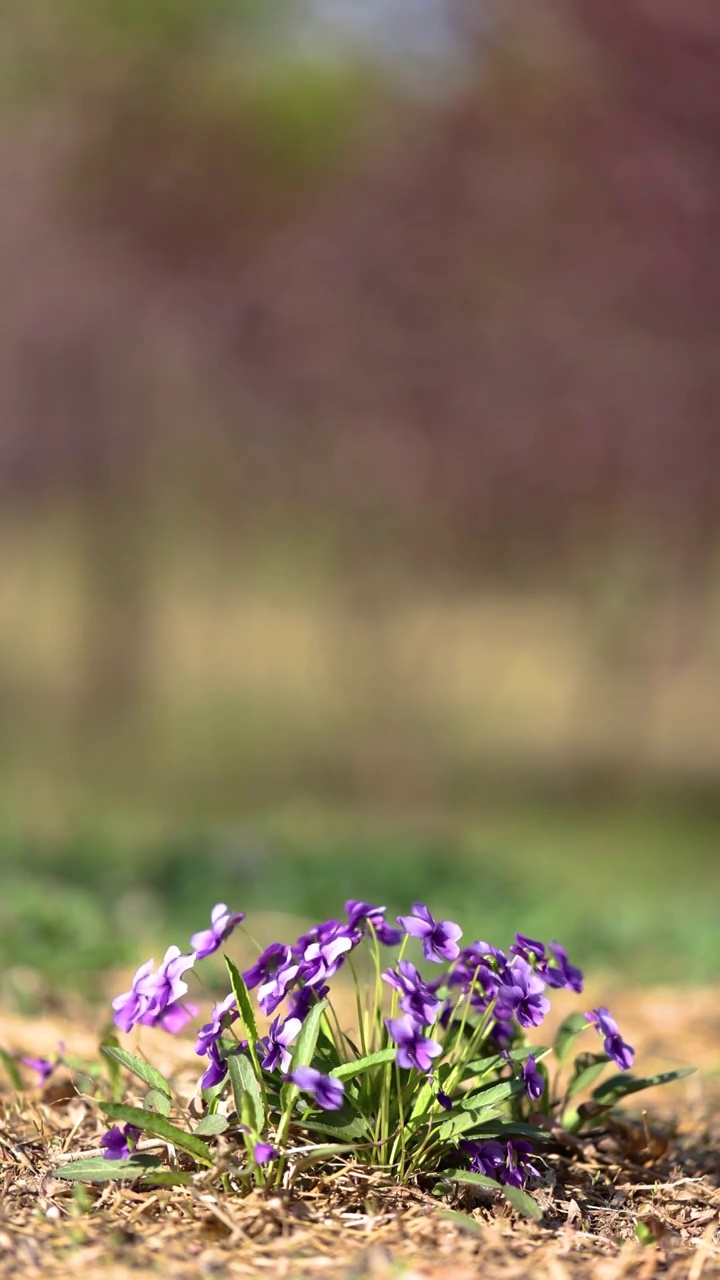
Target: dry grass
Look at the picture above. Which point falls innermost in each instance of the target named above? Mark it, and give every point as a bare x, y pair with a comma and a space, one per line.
659, 1169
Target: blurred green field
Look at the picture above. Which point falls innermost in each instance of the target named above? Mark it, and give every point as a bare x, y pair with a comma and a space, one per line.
283, 739
630, 888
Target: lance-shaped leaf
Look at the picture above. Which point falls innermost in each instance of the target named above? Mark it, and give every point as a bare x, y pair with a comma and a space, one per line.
152, 1122
244, 1003
588, 1068
474, 1179
345, 1123
157, 1101
568, 1032
139, 1067
302, 1054
461, 1122
505, 1129
520, 1200
620, 1086
246, 1092
211, 1125
349, 1070
496, 1061
12, 1070
97, 1169
492, 1094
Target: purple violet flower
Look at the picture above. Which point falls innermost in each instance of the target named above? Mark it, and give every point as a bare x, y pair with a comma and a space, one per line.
276, 1042
131, 1004
264, 1152
303, 998
218, 1068
273, 990
152, 995
359, 913
274, 957
439, 938
528, 948
507, 1164
222, 1015
414, 1049
222, 923
486, 1158
613, 1044
562, 973
119, 1143
323, 950
479, 965
517, 1163
177, 1016
521, 996
534, 1081
42, 1066
326, 1091
417, 996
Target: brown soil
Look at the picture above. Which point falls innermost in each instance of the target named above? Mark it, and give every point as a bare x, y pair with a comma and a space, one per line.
658, 1168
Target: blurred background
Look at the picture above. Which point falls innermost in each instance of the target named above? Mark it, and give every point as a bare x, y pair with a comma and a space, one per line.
359, 472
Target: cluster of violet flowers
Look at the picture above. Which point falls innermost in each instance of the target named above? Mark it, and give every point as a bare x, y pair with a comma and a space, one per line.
476, 1002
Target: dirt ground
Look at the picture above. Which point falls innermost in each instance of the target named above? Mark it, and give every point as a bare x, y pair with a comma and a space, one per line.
659, 1168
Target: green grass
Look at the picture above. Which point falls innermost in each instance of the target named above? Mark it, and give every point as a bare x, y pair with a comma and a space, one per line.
281, 714
630, 888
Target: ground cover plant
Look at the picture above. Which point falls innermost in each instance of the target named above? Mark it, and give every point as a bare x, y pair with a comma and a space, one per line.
437, 1084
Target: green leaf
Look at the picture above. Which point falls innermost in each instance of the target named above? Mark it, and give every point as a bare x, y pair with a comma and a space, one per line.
462, 1221
588, 1069
587, 1114
214, 1093
110, 1041
349, 1070
519, 1200
344, 1123
157, 1101
421, 1106
482, 1066
326, 1051
246, 1092
475, 1179
244, 1002
92, 1070
302, 1054
139, 1067
620, 1086
568, 1032
150, 1122
212, 1125
508, 1129
645, 1234
12, 1070
524, 1203
461, 1122
491, 1094
305, 1044
97, 1169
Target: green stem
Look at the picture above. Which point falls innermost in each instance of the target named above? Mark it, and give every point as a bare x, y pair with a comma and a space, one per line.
359, 1007
338, 1036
